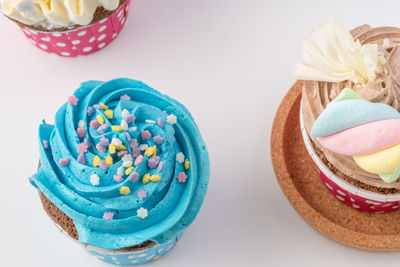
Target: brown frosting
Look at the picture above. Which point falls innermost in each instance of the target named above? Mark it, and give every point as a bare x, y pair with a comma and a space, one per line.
384, 89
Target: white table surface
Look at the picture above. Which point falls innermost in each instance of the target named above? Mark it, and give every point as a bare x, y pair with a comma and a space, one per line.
230, 62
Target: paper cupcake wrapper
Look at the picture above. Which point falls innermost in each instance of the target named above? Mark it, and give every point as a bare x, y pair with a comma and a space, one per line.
344, 191
83, 40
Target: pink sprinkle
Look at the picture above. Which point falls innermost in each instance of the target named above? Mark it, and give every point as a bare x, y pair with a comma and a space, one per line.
182, 177
101, 148
117, 178
81, 132
160, 122
160, 165
108, 216
81, 159
153, 162
121, 153
103, 165
136, 152
142, 194
46, 144
98, 106
130, 118
87, 142
146, 135
90, 111
94, 124
158, 140
104, 141
72, 100
133, 177
125, 97
64, 162
139, 160
103, 128
128, 136
133, 144
82, 148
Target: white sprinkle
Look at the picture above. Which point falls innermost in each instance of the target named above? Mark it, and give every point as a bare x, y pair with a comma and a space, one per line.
142, 213
127, 157
95, 179
171, 119
124, 125
143, 147
125, 113
132, 129
150, 121
180, 157
81, 124
120, 171
127, 164
116, 141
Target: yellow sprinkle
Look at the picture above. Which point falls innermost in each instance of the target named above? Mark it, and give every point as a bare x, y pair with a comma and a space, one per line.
109, 114
155, 178
187, 164
124, 190
151, 151
103, 106
109, 160
129, 170
112, 148
100, 119
96, 161
146, 178
116, 128
122, 147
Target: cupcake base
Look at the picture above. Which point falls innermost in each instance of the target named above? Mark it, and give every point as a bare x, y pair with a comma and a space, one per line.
301, 183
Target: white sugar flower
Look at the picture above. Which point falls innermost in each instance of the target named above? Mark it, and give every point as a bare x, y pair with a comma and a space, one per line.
180, 157
116, 141
142, 213
171, 119
94, 179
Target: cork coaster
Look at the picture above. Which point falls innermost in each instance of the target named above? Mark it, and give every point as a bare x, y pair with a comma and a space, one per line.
301, 183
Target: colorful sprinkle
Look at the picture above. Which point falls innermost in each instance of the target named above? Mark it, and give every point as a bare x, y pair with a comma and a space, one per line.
120, 171
64, 162
117, 178
138, 160
125, 97
122, 152
94, 124
81, 159
121, 147
98, 106
87, 142
116, 128
90, 111
130, 118
100, 119
150, 121
147, 178
108, 216
180, 157
101, 148
116, 141
128, 137
182, 177
81, 132
142, 213
81, 124
133, 144
171, 119
160, 122
158, 140
136, 152
153, 162
103, 106
124, 113
112, 148
142, 194
124, 190
82, 148
146, 135
104, 141
187, 164
45, 144
73, 100
127, 160
109, 160
94, 179
133, 177
103, 165
151, 151
143, 147
96, 161
132, 129
103, 128
109, 114
160, 166
127, 164
129, 170
124, 125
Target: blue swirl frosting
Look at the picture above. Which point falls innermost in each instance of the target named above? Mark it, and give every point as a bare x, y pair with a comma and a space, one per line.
180, 160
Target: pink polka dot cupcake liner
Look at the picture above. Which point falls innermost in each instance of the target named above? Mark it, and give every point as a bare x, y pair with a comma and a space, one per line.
345, 192
83, 40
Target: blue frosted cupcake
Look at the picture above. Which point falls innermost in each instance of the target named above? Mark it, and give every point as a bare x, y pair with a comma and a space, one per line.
124, 170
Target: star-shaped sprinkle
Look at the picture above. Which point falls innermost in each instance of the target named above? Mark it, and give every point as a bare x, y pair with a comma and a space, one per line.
104, 141
94, 179
103, 164
125, 97
81, 124
117, 178
63, 162
138, 160
82, 148
153, 162
124, 190
158, 140
73, 100
146, 135
142, 213
81, 159
81, 132
101, 148
108, 216
133, 177
171, 119
94, 124
136, 152
103, 128
133, 144
182, 177
142, 194
180, 157
130, 118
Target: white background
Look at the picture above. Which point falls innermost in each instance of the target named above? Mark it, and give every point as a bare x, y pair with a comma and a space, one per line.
230, 62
